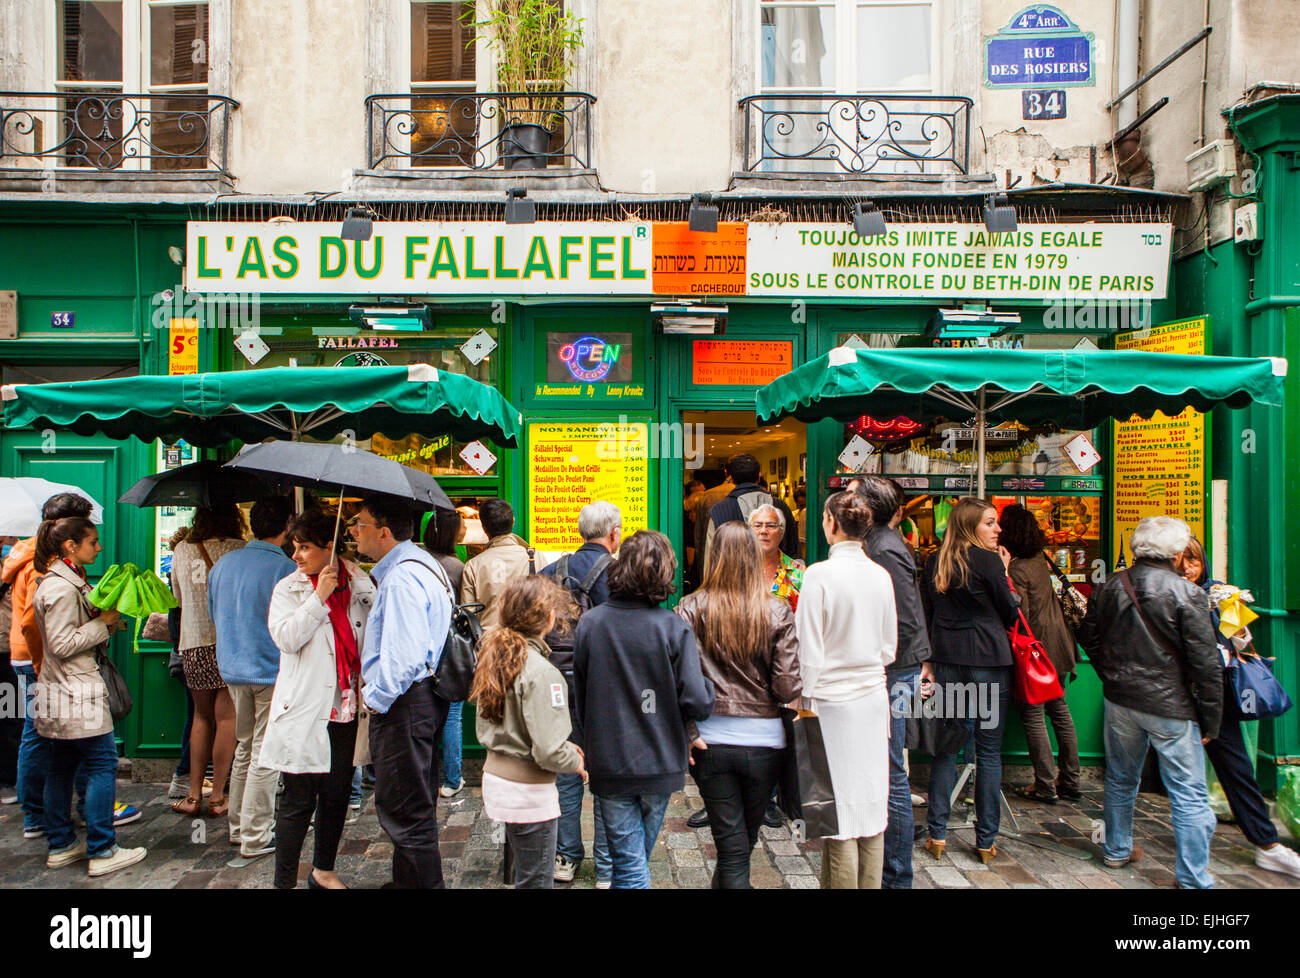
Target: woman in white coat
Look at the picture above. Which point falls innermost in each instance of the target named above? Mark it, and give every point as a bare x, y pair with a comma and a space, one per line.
848, 633
318, 621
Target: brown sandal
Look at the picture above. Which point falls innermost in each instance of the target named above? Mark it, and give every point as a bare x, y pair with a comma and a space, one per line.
179, 806
217, 809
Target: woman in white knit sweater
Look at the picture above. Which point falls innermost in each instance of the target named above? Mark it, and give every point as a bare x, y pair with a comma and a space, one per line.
848, 633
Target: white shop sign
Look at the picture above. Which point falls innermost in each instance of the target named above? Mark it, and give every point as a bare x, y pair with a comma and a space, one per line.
936, 261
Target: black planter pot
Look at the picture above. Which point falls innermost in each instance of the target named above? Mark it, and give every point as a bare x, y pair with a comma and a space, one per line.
525, 146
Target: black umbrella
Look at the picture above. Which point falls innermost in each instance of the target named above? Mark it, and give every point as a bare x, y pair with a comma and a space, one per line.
205, 483
338, 467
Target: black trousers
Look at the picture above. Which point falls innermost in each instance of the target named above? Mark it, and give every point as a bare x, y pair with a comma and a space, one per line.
406, 783
736, 784
11, 726
326, 795
1232, 766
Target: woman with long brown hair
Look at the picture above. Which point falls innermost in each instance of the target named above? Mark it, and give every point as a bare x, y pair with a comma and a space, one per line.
523, 722
214, 533
970, 607
749, 651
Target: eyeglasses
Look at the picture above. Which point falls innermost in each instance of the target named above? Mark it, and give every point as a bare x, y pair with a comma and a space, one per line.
766, 526
356, 521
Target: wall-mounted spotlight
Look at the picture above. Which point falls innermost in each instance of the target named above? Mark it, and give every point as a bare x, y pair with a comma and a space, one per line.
998, 214
519, 209
703, 215
868, 221
358, 224
689, 318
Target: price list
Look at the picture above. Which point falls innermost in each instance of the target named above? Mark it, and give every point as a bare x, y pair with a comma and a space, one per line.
570, 465
1160, 463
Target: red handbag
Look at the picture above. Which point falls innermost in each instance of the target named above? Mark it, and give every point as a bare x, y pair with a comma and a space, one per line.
1035, 679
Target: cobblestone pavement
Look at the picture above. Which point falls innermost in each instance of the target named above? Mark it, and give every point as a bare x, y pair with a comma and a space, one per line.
189, 853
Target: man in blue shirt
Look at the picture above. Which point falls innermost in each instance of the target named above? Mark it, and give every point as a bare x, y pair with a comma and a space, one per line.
405, 633
239, 598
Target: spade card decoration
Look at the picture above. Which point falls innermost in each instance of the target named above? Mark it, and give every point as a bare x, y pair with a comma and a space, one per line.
856, 453
478, 346
1080, 451
478, 457
252, 346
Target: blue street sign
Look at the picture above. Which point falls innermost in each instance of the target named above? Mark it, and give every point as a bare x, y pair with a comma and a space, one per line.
1039, 48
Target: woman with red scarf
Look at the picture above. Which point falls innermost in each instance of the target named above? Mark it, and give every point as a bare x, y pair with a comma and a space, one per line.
318, 620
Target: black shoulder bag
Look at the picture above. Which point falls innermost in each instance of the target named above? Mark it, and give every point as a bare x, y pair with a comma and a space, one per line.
454, 674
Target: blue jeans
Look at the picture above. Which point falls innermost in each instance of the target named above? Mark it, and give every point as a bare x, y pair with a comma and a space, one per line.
34, 759
991, 686
451, 746
355, 796
569, 838
97, 756
632, 824
897, 874
1182, 769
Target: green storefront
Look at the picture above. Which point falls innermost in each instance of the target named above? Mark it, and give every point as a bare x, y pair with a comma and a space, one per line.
663, 381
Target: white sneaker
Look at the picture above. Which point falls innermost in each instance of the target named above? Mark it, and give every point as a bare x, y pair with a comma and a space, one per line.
604, 884
8, 796
179, 788
564, 870
448, 791
66, 857
1279, 859
121, 859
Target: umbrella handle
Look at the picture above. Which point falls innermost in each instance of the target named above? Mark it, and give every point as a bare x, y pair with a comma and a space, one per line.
338, 517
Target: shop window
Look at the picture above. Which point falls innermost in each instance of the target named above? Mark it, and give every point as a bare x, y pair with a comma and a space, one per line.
352, 347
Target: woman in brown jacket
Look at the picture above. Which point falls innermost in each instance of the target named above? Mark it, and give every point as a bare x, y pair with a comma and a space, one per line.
1031, 576
748, 649
72, 705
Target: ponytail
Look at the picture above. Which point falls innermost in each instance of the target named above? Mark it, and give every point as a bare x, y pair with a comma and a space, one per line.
53, 534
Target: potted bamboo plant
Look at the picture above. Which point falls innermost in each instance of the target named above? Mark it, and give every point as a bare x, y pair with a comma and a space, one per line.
535, 42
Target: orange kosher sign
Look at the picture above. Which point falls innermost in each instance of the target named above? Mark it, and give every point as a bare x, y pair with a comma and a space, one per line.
740, 361
690, 262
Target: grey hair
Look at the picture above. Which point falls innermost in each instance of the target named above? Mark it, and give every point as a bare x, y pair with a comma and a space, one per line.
1161, 537
780, 516
597, 519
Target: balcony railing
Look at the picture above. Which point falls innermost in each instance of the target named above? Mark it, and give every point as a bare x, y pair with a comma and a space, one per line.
512, 130
114, 131
856, 134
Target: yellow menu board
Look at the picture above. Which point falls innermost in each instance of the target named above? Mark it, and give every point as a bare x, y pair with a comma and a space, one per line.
570, 465
1160, 464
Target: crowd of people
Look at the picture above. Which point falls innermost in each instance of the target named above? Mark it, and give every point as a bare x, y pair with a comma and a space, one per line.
304, 670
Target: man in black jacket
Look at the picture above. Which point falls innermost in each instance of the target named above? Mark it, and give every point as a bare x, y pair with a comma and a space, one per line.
886, 546
1149, 634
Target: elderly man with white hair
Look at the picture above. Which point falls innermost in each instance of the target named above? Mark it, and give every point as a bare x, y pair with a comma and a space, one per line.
1148, 632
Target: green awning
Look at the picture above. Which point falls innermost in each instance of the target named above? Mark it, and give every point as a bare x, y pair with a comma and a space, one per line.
1074, 389
279, 402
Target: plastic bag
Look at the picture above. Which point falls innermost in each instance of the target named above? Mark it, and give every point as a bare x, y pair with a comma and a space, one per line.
134, 592
1288, 798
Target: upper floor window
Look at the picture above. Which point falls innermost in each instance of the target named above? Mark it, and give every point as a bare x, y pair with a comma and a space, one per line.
444, 65
133, 81
845, 46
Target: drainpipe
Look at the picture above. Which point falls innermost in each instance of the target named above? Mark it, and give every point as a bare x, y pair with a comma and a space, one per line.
1126, 57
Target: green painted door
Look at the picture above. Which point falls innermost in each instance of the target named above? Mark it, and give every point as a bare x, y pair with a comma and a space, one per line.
106, 469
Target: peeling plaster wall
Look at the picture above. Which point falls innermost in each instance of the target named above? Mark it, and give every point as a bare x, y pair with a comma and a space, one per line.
1044, 151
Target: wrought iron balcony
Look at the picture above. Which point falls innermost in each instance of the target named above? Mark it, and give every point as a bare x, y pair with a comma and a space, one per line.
114, 131
818, 135
476, 131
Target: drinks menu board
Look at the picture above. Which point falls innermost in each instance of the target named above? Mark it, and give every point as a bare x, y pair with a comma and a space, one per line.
1160, 463
570, 465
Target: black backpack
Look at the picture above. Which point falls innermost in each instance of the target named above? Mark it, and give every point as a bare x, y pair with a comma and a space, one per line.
455, 671
561, 640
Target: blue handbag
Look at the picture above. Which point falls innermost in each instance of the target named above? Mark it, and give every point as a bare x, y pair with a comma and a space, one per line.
1256, 693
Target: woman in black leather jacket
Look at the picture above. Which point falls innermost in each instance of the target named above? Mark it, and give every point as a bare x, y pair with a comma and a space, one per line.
971, 606
749, 651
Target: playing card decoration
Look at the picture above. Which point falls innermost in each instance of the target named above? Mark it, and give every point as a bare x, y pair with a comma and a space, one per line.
252, 346
856, 453
1080, 451
478, 457
478, 346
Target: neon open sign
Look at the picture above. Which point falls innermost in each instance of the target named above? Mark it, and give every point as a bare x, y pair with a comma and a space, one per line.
589, 358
